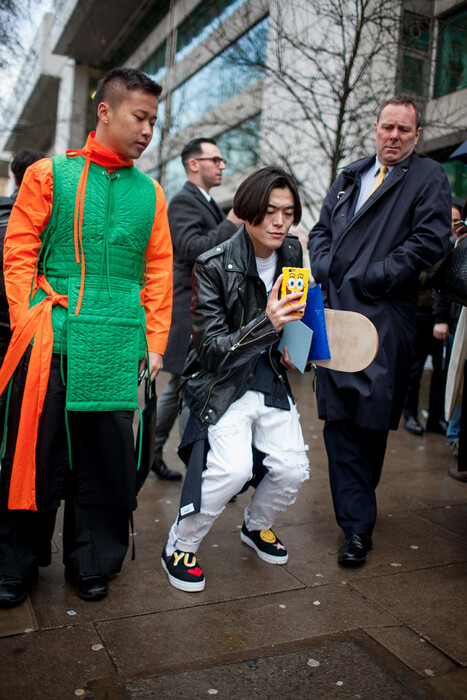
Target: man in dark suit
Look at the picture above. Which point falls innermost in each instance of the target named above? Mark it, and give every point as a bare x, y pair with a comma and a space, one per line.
383, 221
196, 225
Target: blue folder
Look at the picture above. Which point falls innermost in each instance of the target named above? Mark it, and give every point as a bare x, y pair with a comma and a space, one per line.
306, 340
314, 319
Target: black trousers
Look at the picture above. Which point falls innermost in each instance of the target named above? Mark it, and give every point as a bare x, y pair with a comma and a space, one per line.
95, 540
356, 457
98, 487
426, 344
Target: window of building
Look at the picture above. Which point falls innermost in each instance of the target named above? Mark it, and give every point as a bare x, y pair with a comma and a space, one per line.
157, 134
240, 146
239, 66
457, 176
204, 19
155, 66
175, 177
451, 63
414, 64
415, 31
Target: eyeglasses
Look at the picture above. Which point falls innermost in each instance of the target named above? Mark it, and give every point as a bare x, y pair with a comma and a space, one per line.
217, 160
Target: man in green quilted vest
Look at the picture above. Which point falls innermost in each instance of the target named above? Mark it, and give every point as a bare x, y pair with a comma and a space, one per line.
88, 276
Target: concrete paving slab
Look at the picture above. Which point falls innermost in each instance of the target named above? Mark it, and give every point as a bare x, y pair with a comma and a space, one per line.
401, 542
52, 665
421, 656
430, 601
18, 620
342, 670
214, 634
452, 686
431, 489
410, 451
234, 572
452, 518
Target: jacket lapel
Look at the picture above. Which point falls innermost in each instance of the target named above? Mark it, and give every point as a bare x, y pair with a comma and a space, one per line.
389, 183
214, 211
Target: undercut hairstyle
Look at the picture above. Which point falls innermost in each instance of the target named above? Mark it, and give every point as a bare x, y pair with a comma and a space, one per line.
402, 100
22, 161
194, 148
114, 86
251, 200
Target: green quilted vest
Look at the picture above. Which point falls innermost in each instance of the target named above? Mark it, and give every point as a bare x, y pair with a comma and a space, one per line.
106, 340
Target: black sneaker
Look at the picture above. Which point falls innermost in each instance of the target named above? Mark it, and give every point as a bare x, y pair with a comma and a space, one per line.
266, 545
183, 571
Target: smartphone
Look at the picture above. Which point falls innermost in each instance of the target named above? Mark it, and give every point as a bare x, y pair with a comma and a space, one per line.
295, 279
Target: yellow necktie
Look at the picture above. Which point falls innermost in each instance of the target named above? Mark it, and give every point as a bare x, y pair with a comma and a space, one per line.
382, 173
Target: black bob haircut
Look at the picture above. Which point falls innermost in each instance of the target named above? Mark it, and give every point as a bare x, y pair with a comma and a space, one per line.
114, 85
252, 197
195, 148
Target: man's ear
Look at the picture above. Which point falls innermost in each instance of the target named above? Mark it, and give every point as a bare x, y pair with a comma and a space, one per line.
193, 165
103, 112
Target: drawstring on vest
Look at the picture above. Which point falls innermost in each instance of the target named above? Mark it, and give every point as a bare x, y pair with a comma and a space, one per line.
107, 160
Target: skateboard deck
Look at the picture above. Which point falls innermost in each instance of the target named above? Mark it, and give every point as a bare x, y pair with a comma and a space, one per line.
353, 341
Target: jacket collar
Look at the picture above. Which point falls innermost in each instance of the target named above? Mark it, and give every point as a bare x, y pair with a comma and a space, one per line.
359, 166
99, 154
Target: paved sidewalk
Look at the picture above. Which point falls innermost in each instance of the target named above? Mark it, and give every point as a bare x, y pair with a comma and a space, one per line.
393, 628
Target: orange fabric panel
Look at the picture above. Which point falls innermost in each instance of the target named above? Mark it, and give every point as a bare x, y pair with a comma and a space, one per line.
29, 216
157, 294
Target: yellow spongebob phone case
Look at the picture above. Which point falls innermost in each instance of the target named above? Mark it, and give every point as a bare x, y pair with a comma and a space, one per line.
295, 280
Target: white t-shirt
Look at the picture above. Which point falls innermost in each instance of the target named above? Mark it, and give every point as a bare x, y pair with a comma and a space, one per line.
267, 270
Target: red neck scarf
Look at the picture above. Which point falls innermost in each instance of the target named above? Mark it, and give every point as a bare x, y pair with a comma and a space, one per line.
100, 155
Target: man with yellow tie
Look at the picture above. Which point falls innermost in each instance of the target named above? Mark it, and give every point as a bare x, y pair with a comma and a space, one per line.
384, 220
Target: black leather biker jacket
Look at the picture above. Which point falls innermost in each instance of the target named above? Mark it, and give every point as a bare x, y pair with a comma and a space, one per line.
229, 325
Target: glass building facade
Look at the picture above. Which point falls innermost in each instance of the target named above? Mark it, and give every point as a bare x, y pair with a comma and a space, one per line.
228, 73
414, 62
232, 71
451, 61
205, 19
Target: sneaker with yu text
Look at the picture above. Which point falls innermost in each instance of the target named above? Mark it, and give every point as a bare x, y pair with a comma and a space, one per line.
266, 545
183, 571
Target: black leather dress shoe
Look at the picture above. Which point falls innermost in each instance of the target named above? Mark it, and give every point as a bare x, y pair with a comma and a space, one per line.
91, 586
162, 471
436, 426
13, 591
413, 426
355, 550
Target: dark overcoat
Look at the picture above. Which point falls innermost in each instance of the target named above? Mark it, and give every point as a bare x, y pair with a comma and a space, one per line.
369, 262
196, 225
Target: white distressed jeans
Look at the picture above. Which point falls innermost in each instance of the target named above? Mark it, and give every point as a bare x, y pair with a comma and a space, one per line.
229, 466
